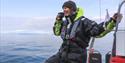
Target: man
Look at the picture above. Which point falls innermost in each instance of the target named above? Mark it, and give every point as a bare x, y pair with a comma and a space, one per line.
76, 31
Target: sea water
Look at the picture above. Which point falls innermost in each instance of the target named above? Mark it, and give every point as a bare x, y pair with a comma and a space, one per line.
36, 48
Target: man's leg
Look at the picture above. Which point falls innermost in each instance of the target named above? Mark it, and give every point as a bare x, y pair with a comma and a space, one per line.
53, 59
84, 58
77, 57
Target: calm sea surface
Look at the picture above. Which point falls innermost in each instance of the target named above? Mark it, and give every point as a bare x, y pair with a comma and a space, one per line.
36, 48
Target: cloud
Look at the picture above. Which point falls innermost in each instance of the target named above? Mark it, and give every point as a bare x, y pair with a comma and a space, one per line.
26, 25
40, 23
44, 23
29, 24
43, 17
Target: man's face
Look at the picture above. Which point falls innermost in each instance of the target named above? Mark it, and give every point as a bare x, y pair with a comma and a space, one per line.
67, 11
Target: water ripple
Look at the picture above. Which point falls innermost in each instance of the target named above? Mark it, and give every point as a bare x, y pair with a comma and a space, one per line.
5, 58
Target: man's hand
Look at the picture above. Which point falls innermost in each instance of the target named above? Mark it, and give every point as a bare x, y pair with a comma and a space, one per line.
59, 16
117, 16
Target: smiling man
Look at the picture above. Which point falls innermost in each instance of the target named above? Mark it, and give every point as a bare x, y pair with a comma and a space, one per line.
76, 32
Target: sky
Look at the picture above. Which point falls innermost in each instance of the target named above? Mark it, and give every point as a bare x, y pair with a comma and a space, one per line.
40, 14
33, 8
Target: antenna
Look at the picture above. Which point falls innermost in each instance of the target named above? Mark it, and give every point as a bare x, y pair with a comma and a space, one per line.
100, 8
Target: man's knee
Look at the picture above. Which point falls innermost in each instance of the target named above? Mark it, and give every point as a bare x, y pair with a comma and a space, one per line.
53, 59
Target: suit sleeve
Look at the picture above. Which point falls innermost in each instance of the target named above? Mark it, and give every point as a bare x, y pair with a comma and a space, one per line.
98, 30
57, 28
108, 26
